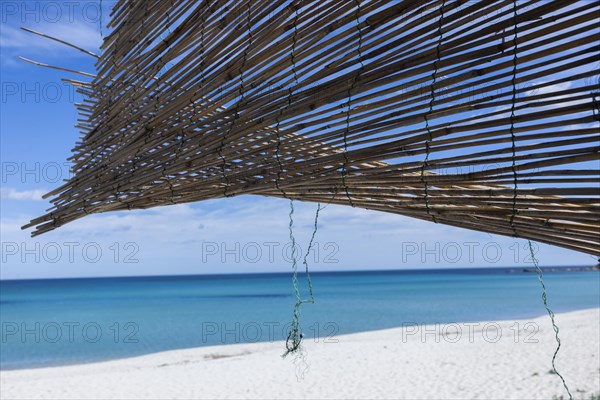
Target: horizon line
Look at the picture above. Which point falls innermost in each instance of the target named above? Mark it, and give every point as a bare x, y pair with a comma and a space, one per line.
524, 268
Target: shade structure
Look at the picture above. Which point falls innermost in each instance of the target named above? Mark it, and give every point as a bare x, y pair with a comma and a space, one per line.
477, 114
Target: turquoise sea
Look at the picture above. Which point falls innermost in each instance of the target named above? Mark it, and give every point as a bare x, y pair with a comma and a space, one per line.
66, 321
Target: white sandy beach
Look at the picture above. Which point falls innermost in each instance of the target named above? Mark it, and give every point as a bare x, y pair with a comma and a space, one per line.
393, 363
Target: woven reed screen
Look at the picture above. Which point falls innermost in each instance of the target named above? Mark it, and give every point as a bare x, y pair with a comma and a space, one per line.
476, 114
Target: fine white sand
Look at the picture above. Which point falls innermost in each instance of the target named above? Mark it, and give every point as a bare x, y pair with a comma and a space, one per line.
379, 364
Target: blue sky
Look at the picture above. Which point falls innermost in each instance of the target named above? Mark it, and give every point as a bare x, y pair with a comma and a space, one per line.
244, 234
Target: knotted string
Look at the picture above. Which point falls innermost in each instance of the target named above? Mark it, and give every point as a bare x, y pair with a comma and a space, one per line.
540, 276
512, 121
100, 17
237, 104
294, 339
344, 168
431, 102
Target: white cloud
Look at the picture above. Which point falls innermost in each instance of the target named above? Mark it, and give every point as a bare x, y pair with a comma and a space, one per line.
555, 88
77, 33
558, 87
16, 42
173, 240
14, 194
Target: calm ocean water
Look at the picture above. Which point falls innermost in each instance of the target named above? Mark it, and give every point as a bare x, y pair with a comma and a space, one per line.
65, 321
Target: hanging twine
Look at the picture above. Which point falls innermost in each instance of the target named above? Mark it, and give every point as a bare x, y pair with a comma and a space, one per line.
540, 276
294, 339
310, 244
